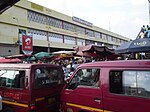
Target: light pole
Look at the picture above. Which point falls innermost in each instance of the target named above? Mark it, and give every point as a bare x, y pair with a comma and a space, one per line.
149, 10
48, 50
18, 37
48, 40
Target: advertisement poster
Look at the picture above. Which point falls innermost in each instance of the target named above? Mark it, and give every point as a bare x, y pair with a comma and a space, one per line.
27, 44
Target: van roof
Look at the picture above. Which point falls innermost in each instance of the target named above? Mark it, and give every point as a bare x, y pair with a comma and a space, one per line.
24, 65
119, 63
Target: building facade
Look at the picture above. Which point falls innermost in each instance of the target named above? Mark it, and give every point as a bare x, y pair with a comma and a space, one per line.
50, 30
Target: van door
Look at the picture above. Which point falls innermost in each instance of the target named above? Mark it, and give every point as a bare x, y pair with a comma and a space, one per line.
83, 92
128, 90
13, 90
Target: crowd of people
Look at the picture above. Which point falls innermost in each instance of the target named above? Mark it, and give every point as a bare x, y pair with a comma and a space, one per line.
145, 32
68, 65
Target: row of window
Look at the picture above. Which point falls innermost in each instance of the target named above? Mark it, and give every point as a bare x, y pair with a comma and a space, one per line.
43, 19
53, 37
132, 83
43, 77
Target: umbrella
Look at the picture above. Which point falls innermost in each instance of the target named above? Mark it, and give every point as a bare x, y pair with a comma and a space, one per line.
137, 45
41, 55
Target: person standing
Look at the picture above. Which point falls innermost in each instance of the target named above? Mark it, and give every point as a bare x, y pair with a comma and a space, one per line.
148, 33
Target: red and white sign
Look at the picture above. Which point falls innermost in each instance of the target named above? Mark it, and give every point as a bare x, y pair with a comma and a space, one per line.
27, 44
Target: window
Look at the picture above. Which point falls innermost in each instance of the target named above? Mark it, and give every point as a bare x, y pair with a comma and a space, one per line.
54, 22
69, 26
104, 37
133, 83
12, 78
36, 17
115, 82
88, 42
80, 30
85, 77
37, 34
80, 42
47, 77
69, 40
55, 37
97, 34
89, 33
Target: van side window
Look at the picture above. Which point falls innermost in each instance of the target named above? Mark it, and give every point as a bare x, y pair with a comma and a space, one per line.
85, 77
12, 78
115, 82
132, 83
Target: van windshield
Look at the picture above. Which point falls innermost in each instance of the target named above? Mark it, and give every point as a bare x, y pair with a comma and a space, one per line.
12, 78
48, 76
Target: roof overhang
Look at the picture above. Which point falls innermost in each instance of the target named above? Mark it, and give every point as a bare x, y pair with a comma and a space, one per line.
5, 4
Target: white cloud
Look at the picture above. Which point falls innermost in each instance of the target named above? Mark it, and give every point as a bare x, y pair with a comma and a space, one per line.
123, 16
138, 2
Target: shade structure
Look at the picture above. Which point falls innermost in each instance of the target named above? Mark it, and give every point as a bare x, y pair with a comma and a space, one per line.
63, 52
41, 55
137, 45
99, 50
15, 60
86, 54
94, 51
20, 56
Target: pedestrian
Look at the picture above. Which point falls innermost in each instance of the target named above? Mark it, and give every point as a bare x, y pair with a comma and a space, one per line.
143, 29
142, 34
148, 33
147, 27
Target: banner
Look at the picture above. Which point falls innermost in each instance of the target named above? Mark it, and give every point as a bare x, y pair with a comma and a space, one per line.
27, 44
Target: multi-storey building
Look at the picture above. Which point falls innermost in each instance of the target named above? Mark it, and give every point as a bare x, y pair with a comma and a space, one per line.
50, 30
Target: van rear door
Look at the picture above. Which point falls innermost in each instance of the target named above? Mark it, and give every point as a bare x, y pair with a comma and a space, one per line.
83, 92
48, 82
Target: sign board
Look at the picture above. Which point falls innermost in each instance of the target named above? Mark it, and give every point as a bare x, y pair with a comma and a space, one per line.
27, 44
81, 21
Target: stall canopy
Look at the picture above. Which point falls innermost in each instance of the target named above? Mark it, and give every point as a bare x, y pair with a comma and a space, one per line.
136, 46
99, 50
94, 51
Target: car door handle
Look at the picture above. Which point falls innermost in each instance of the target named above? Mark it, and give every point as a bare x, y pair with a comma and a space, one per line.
97, 100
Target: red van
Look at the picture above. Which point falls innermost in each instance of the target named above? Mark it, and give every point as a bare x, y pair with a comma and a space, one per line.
31, 87
110, 86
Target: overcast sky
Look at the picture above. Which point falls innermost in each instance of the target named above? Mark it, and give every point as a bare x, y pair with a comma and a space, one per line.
124, 17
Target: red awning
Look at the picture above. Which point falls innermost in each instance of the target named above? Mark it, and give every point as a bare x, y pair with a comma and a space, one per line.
4, 60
